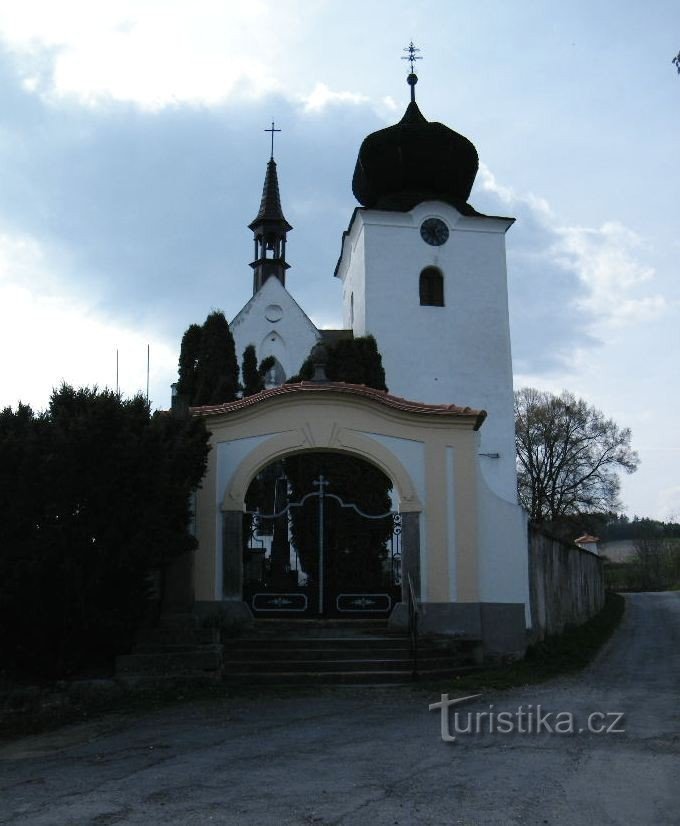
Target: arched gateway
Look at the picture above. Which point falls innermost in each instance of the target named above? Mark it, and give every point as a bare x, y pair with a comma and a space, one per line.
428, 452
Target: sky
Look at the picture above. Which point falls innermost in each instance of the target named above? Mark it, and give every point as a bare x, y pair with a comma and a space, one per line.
133, 151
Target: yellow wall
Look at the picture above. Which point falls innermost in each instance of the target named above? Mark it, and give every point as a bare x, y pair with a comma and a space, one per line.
308, 420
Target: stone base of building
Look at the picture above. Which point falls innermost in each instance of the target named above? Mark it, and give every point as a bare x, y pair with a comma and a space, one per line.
229, 613
499, 626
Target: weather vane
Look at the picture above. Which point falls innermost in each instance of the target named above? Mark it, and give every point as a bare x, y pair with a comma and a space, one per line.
272, 130
412, 79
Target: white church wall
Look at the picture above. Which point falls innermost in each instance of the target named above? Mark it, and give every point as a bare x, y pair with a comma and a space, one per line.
354, 282
503, 551
458, 353
276, 325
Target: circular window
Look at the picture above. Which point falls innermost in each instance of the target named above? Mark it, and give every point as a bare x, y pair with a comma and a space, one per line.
273, 313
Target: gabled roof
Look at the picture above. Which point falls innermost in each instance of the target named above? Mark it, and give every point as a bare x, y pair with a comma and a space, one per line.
271, 285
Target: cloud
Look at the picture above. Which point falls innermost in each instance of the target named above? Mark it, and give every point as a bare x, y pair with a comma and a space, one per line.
48, 337
569, 286
321, 96
152, 54
605, 259
668, 504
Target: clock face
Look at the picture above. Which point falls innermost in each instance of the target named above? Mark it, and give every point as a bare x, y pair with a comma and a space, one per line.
434, 232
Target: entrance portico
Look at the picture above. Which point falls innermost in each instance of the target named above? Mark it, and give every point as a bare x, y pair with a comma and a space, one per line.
430, 454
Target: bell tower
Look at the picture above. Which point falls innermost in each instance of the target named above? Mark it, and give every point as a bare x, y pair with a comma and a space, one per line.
425, 273
270, 229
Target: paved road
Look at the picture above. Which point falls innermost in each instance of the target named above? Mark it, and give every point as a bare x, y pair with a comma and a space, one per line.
376, 756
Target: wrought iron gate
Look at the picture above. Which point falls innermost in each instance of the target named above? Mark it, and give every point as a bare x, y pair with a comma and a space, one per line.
332, 571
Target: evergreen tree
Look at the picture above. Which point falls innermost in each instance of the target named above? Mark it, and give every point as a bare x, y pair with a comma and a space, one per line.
251, 381
208, 370
188, 361
252, 374
94, 493
353, 360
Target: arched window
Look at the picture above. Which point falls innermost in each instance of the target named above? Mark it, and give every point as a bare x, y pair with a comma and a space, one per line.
275, 376
431, 287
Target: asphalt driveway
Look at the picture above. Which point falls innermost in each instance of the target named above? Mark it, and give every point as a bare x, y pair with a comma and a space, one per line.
376, 755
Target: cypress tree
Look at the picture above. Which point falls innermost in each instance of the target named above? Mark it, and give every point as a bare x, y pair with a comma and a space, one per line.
252, 374
188, 362
216, 375
250, 378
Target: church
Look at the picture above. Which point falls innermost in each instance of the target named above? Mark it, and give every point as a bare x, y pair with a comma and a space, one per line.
425, 274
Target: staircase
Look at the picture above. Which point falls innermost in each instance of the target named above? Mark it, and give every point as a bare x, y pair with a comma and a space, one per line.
177, 649
339, 652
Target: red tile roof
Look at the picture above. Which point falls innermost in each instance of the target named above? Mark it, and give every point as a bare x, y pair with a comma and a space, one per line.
380, 396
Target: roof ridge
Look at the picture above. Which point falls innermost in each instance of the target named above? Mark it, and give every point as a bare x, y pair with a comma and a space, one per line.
382, 396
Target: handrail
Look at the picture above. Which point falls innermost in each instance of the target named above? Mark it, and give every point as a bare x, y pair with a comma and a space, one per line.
413, 624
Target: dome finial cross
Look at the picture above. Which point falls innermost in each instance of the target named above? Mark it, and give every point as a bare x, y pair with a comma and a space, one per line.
411, 56
412, 79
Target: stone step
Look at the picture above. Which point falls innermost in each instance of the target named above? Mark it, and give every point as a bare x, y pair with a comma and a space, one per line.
367, 677
175, 681
370, 646
178, 621
206, 658
166, 648
304, 652
161, 637
373, 664
290, 642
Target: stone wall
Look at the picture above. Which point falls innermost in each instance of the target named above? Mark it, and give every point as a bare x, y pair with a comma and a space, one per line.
566, 584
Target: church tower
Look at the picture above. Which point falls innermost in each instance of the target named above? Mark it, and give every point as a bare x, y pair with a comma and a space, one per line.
269, 230
425, 273
272, 321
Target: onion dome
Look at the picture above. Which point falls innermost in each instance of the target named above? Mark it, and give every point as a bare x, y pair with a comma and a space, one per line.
413, 161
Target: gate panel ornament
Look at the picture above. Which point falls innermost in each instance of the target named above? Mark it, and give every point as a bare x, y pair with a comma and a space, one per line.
323, 578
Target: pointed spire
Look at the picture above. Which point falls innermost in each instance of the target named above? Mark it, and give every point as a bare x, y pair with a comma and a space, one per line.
270, 229
270, 205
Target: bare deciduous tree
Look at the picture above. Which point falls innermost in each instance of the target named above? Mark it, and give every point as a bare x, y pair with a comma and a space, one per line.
568, 455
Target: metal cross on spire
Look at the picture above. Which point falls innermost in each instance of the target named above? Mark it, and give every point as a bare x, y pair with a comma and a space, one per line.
272, 130
412, 79
412, 55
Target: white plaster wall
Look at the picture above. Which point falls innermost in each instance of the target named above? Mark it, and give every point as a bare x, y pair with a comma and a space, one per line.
289, 337
354, 282
459, 353
503, 551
